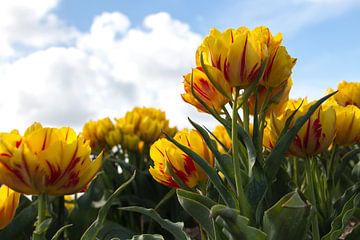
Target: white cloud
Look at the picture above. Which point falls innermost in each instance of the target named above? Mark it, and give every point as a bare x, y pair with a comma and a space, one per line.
31, 24
105, 72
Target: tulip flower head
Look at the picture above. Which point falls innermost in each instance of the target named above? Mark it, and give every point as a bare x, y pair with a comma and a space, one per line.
204, 89
9, 201
101, 133
348, 94
143, 124
314, 136
46, 160
168, 158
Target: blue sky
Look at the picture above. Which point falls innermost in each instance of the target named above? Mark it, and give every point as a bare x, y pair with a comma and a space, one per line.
63, 62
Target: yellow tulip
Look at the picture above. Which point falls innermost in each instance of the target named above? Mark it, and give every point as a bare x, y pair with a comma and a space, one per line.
168, 158
54, 161
101, 133
280, 63
315, 135
221, 134
236, 53
348, 94
143, 124
205, 90
9, 201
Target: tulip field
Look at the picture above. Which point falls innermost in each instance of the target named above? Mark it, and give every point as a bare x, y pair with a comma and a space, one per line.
274, 168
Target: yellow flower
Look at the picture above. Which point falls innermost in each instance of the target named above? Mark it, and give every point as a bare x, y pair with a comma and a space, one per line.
315, 135
347, 119
69, 202
280, 63
143, 124
46, 160
348, 94
167, 157
9, 201
205, 90
101, 133
277, 97
236, 53
221, 134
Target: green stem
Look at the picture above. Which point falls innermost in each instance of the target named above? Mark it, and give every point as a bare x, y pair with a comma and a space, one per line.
40, 230
310, 181
236, 161
246, 114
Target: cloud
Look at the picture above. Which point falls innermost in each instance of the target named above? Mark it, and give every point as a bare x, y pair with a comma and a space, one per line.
31, 25
103, 72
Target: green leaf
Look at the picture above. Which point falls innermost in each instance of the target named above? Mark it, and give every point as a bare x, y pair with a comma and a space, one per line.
289, 218
198, 207
147, 237
340, 222
345, 160
235, 226
224, 161
60, 231
209, 170
176, 229
349, 193
112, 230
95, 227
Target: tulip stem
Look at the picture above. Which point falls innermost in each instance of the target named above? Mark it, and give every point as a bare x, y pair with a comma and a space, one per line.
242, 201
310, 181
41, 226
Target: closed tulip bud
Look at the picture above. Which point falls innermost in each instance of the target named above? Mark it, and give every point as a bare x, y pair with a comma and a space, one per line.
9, 201
205, 90
315, 135
131, 142
169, 159
113, 137
46, 160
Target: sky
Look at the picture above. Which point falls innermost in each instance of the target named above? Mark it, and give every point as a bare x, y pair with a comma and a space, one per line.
64, 62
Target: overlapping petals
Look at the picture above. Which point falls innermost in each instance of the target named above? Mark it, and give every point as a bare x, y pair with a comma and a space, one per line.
46, 160
205, 90
170, 159
316, 134
9, 201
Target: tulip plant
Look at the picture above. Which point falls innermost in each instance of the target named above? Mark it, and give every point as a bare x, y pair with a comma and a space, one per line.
274, 168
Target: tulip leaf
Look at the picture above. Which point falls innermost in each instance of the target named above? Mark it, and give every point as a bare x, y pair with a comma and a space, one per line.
176, 229
289, 218
198, 207
112, 230
234, 225
345, 160
146, 237
224, 161
341, 221
251, 151
209, 170
60, 232
96, 226
349, 193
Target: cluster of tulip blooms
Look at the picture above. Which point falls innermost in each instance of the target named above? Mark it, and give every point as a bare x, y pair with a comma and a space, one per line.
242, 78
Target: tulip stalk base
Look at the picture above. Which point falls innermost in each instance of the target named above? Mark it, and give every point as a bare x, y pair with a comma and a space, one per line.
310, 180
41, 225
